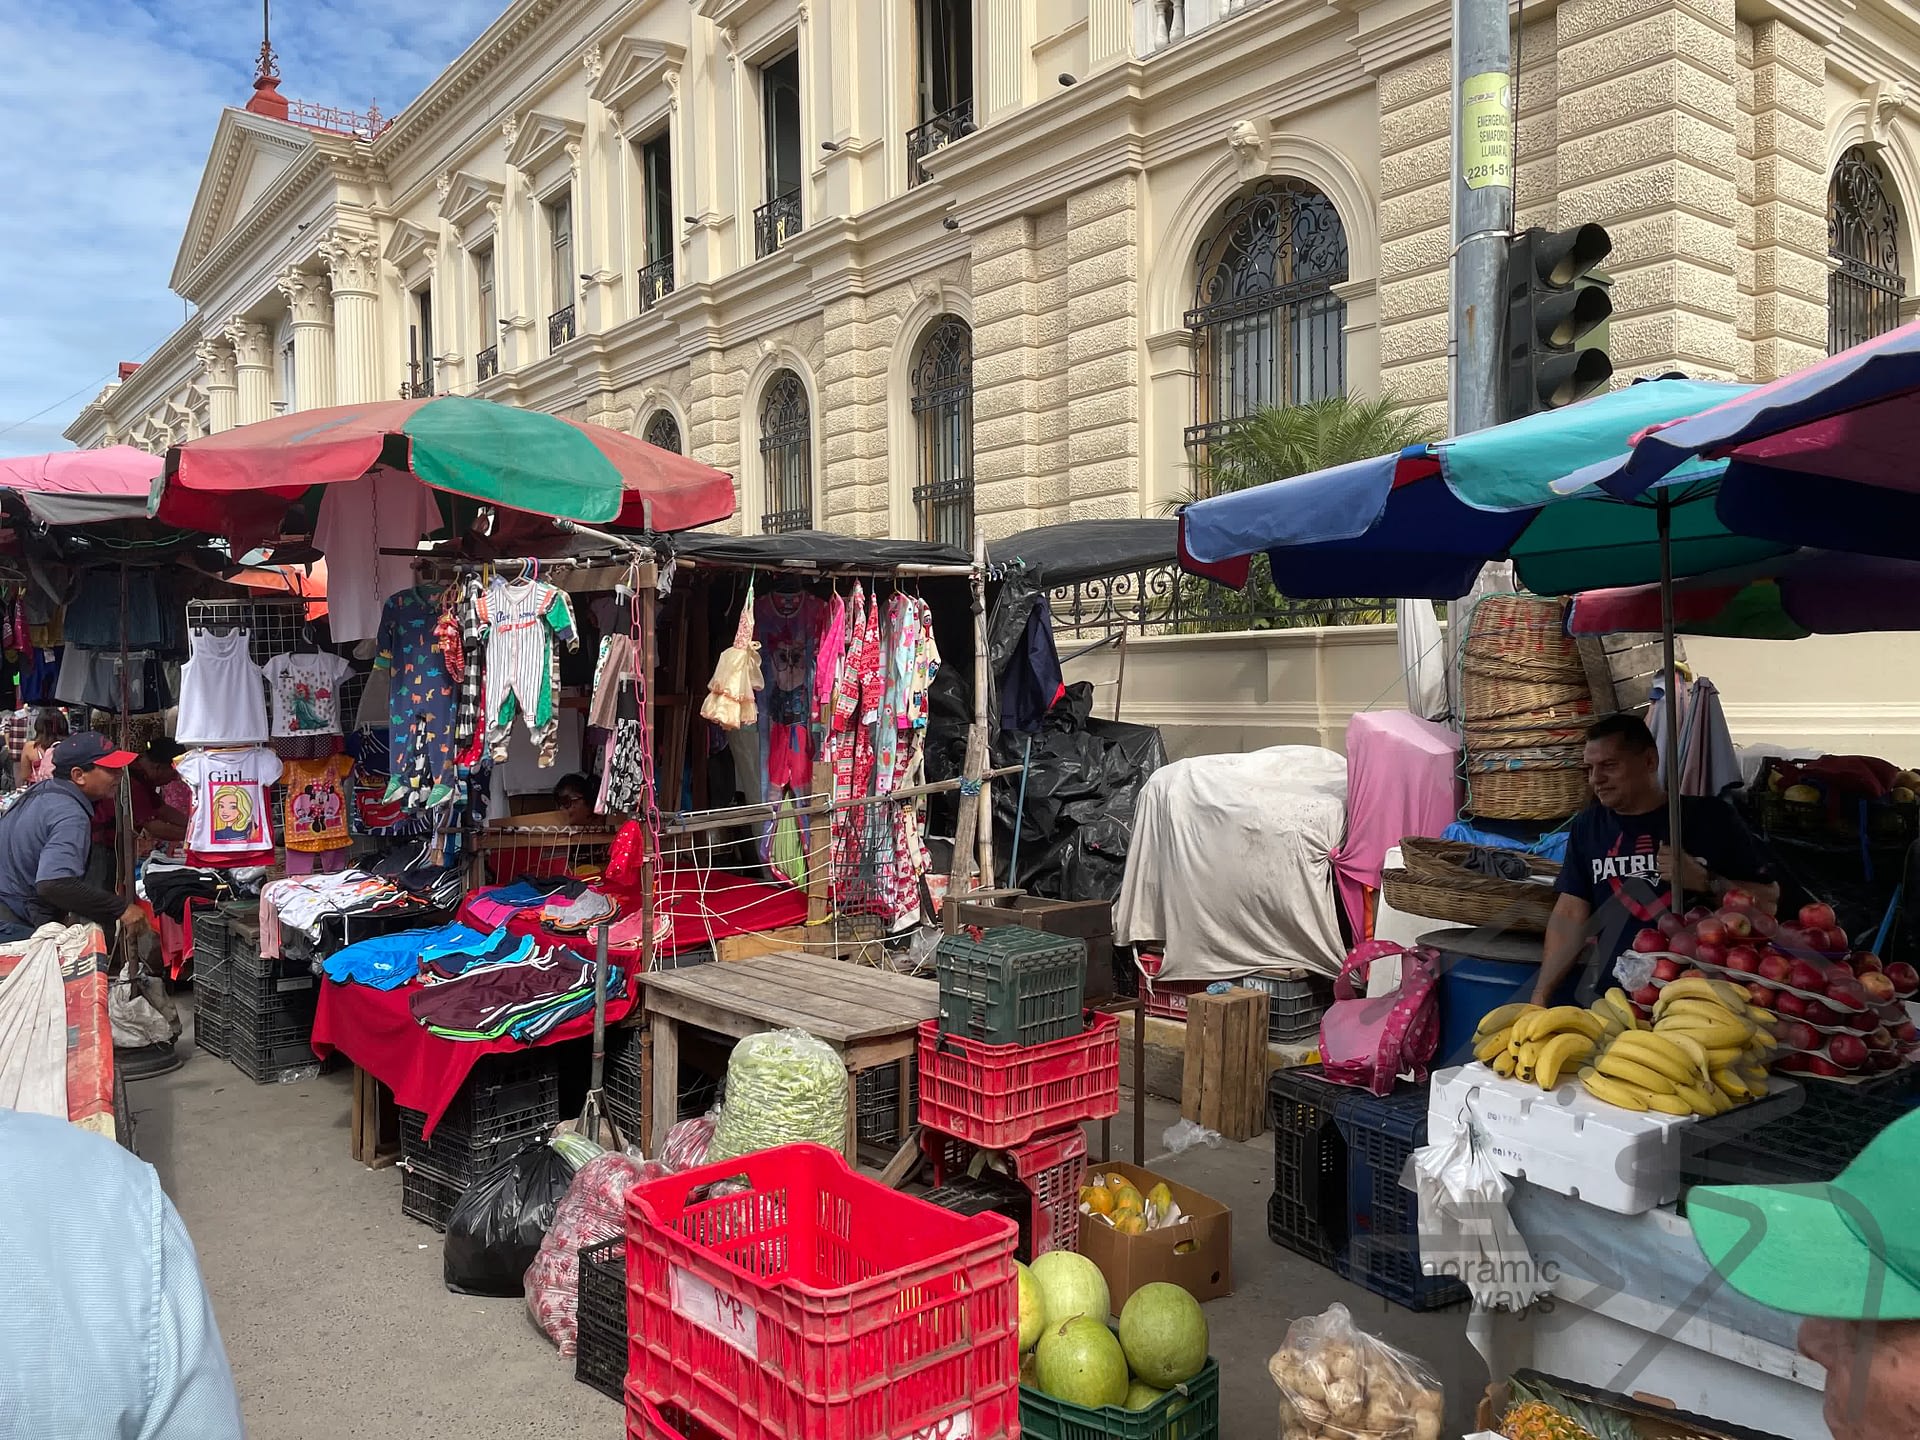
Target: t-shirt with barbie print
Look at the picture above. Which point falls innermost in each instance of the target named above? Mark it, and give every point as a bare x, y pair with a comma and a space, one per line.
231, 816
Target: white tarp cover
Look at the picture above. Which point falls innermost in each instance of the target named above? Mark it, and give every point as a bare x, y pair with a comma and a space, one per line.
1229, 867
33, 1030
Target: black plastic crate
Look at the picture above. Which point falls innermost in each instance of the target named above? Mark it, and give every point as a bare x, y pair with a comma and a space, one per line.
272, 1039
463, 1156
504, 1086
1011, 986
427, 1196
259, 992
1308, 1210
1383, 1220
600, 1353
245, 962
209, 1025
876, 1109
1295, 1003
990, 1191
1804, 1143
621, 1084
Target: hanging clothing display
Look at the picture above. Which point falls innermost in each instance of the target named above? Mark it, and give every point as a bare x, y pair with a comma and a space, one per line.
223, 699
467, 730
232, 821
387, 510
421, 701
523, 619
317, 803
736, 676
305, 689
92, 677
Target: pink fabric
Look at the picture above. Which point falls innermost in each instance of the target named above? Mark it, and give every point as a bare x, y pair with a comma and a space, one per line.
120, 471
1370, 1043
1402, 780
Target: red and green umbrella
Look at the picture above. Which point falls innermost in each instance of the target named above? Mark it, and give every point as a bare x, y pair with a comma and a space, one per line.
241, 482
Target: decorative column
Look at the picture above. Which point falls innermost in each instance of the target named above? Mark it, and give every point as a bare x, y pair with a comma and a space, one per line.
216, 364
253, 362
1008, 32
353, 260
310, 304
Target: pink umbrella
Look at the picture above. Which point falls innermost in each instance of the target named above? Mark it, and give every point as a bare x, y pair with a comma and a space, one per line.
74, 487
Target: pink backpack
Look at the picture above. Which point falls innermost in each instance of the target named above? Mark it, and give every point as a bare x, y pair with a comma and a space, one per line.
1369, 1043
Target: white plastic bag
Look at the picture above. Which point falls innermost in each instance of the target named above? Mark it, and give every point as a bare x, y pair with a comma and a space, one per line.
782, 1086
1466, 1230
1339, 1383
136, 1018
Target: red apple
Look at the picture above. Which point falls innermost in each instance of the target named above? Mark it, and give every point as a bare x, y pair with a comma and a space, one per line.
1792, 938
1905, 978
1712, 931
1804, 975
1809, 1065
1670, 924
1697, 914
1789, 1003
1883, 1060
1710, 954
1849, 1052
1765, 924
1876, 987
1835, 940
1665, 969
1646, 996
1739, 926
1648, 941
1763, 997
1863, 961
1881, 1039
1816, 916
1744, 958
1738, 899
1863, 1022
1906, 1032
1797, 1035
1684, 944
1775, 966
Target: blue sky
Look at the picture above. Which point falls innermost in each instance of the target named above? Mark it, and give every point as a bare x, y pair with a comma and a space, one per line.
108, 109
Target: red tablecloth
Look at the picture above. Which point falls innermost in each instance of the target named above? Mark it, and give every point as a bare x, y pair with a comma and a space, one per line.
376, 1030
89, 1037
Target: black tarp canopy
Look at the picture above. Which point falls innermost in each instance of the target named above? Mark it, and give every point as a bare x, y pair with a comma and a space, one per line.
1076, 550
815, 549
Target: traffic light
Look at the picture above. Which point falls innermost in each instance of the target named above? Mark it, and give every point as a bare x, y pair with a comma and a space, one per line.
1552, 303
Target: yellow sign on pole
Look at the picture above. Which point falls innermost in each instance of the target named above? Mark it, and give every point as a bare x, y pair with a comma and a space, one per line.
1486, 130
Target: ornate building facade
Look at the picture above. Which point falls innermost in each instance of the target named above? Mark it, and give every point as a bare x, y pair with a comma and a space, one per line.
911, 266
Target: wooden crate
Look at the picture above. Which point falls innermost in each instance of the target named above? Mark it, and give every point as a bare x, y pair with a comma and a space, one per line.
1225, 1084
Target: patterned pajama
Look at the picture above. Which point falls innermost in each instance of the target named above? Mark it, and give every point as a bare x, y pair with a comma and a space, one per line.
526, 617
420, 704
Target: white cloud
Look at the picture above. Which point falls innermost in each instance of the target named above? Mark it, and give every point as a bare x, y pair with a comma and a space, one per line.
108, 110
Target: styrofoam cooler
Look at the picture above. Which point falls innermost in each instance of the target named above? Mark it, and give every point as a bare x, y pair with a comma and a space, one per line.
1565, 1139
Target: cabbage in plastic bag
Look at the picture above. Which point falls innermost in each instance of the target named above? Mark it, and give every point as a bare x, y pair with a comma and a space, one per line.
1339, 1383
783, 1086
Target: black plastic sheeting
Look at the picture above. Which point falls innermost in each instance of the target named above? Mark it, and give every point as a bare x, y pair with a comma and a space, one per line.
820, 548
1083, 784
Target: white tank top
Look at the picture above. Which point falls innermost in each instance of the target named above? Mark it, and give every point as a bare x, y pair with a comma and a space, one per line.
223, 699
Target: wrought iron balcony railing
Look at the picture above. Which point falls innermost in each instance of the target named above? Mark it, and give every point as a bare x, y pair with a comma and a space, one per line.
559, 328
936, 134
656, 282
775, 223
486, 364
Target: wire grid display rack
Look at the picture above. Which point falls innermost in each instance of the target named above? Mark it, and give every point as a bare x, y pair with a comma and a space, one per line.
871, 889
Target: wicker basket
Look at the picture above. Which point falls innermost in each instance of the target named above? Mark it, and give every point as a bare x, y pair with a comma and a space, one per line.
1470, 900
1525, 791
1522, 635
1426, 859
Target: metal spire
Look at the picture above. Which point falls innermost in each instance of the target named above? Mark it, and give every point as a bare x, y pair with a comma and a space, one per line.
268, 66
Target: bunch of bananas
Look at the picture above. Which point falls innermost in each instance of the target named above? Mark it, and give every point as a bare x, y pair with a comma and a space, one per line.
1538, 1044
1705, 1053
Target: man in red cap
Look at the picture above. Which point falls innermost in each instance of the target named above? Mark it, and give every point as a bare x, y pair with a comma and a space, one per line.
45, 840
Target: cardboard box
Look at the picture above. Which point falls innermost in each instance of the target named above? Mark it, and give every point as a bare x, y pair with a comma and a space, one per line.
1130, 1261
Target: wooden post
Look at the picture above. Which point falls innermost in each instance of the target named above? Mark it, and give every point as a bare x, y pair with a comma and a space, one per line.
647, 601
970, 857
982, 678
1225, 1084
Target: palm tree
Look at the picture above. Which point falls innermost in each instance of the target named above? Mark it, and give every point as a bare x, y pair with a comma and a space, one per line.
1276, 443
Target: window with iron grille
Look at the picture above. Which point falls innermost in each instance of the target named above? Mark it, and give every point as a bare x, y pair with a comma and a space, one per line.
1268, 328
663, 430
786, 455
943, 421
1865, 287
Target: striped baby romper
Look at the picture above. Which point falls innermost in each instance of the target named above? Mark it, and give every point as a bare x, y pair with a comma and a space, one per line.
524, 617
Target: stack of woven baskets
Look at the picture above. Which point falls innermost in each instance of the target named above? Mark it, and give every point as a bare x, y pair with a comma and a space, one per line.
1527, 706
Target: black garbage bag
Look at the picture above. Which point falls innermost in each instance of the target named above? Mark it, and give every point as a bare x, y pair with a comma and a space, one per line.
498, 1225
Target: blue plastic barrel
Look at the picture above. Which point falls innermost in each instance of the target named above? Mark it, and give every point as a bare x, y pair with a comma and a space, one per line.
1480, 972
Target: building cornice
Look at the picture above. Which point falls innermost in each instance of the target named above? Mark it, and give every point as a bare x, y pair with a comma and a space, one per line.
480, 59
234, 135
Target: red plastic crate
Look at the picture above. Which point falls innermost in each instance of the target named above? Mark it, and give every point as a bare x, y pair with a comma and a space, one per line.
818, 1305
1053, 1168
998, 1096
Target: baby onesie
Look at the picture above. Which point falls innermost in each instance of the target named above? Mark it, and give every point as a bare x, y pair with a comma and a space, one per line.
524, 618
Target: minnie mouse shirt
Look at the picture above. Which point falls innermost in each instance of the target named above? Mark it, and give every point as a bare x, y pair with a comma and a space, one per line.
317, 793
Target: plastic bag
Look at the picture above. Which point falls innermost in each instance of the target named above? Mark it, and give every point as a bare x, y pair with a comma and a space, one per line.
138, 1014
1185, 1134
782, 1086
594, 1210
497, 1226
1466, 1230
1339, 1383
687, 1143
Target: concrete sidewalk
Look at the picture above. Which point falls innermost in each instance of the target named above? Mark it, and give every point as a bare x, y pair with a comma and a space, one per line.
338, 1324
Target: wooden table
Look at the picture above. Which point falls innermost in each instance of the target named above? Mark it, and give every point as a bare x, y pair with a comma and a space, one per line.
870, 1017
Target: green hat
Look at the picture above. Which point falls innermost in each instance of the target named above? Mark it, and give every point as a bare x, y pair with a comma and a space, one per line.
1845, 1250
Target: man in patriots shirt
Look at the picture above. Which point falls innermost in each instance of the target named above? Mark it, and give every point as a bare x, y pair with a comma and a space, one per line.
1617, 877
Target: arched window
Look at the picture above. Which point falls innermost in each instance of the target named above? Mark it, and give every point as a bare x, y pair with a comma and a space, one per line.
1267, 328
1864, 288
943, 425
663, 430
786, 455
